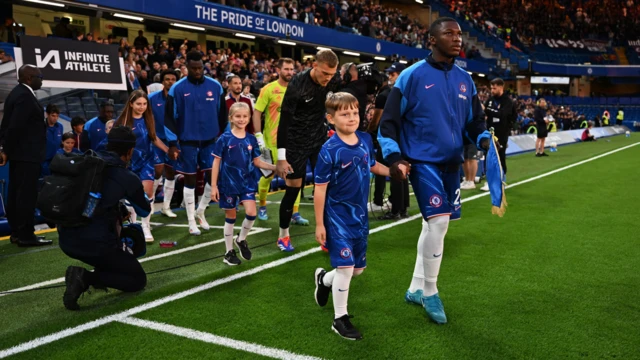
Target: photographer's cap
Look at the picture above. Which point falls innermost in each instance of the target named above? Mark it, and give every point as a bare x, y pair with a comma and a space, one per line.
121, 134
396, 67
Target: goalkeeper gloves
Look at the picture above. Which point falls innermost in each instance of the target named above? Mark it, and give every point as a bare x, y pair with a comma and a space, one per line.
261, 143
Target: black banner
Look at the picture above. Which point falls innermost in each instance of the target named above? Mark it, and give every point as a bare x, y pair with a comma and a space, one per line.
71, 63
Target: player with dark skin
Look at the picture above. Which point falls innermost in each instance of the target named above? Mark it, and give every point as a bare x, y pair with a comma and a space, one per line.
446, 43
196, 72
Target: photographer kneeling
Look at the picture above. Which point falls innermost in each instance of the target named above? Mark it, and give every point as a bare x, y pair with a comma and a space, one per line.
98, 243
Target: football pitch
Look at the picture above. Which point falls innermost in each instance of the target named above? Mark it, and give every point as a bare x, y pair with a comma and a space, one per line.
557, 277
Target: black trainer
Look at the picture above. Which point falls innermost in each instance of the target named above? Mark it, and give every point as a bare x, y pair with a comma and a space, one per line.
231, 259
390, 216
343, 327
77, 282
322, 291
243, 248
544, 154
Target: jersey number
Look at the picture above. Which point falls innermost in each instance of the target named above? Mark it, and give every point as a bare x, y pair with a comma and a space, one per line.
457, 202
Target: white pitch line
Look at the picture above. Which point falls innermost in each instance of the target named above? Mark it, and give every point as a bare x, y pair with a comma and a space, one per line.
255, 230
144, 307
217, 340
150, 305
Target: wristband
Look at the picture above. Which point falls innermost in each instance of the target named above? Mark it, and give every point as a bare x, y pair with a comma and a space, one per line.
282, 154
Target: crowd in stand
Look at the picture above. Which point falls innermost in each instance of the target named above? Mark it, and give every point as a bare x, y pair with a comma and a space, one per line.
356, 16
613, 20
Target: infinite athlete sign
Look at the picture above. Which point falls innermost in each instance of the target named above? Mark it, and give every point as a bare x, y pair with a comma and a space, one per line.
73, 64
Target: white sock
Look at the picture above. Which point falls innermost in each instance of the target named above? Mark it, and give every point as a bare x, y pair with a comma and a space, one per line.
169, 188
205, 199
147, 219
228, 234
327, 279
417, 281
190, 203
340, 290
247, 224
132, 214
156, 184
283, 233
432, 252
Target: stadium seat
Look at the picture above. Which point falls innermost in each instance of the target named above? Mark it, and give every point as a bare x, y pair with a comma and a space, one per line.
100, 100
613, 101
635, 101
91, 114
88, 100
76, 107
118, 107
625, 101
73, 101
90, 107
80, 113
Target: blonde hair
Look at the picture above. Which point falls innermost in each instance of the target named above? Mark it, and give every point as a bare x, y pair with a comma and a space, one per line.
327, 56
340, 101
106, 125
237, 107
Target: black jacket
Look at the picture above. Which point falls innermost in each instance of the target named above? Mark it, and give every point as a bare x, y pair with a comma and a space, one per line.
102, 234
358, 88
501, 115
23, 132
302, 117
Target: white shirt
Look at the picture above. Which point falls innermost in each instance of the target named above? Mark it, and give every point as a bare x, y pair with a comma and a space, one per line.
30, 89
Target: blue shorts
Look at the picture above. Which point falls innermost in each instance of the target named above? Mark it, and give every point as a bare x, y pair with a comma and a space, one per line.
162, 158
347, 253
146, 172
229, 202
437, 192
195, 157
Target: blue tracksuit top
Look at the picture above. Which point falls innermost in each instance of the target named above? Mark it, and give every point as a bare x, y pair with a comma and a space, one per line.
93, 133
157, 101
430, 108
54, 139
195, 110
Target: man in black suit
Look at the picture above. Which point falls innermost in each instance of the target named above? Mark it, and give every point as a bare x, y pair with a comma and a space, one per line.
23, 140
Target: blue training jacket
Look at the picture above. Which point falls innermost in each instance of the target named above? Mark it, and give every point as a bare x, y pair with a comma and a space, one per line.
158, 101
195, 109
93, 133
430, 108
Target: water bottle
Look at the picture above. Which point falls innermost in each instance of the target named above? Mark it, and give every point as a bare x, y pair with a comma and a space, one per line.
92, 203
168, 244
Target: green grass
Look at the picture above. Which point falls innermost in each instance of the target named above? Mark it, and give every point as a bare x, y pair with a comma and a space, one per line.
555, 278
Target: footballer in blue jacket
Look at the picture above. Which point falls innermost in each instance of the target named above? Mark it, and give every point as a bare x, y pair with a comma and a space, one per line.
432, 106
340, 200
196, 113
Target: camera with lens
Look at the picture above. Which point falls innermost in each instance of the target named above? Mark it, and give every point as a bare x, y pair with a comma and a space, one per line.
372, 76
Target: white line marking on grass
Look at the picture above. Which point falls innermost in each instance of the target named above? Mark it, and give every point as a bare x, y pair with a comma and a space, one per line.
278, 202
217, 340
144, 307
255, 230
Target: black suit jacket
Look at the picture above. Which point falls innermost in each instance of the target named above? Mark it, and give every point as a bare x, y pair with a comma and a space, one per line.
23, 132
